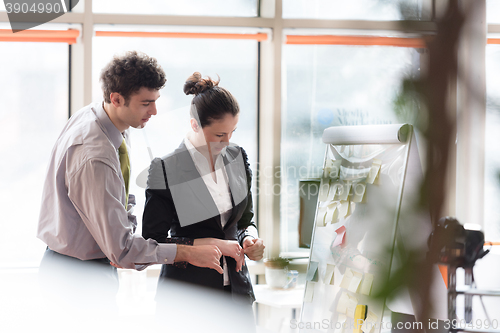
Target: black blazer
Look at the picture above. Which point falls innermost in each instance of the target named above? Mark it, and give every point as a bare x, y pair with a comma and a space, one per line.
177, 200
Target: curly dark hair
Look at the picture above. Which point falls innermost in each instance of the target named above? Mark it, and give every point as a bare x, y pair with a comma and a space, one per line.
128, 73
211, 101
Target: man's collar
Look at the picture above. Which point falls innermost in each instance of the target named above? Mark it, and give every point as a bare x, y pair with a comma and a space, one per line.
113, 133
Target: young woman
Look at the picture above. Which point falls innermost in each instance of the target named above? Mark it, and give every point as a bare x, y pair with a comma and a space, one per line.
200, 194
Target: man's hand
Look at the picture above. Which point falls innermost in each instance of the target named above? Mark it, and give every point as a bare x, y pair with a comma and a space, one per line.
254, 248
201, 256
229, 248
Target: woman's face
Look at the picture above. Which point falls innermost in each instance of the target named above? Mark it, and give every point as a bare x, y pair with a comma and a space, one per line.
219, 132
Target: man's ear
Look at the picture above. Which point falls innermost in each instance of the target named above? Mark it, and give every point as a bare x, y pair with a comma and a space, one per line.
116, 99
194, 125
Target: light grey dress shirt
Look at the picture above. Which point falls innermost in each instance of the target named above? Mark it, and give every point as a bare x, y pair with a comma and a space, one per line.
83, 203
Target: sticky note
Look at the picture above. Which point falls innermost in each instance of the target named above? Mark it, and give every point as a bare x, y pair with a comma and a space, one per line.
340, 237
344, 191
370, 322
359, 317
332, 191
374, 171
346, 278
320, 219
343, 303
340, 325
344, 209
327, 168
366, 284
351, 306
355, 281
309, 293
312, 273
329, 274
323, 190
358, 192
335, 169
332, 214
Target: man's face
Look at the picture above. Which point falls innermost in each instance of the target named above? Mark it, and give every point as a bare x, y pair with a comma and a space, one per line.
142, 105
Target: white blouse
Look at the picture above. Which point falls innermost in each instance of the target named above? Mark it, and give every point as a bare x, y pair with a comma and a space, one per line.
218, 188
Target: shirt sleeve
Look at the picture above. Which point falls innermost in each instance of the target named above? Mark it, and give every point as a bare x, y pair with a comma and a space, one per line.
96, 191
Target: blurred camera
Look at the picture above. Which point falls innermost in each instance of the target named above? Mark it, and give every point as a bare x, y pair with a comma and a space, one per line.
451, 244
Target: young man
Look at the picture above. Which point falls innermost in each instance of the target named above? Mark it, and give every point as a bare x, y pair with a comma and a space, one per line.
83, 219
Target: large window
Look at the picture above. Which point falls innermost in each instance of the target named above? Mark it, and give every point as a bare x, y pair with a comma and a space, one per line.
331, 86
33, 110
175, 7
493, 11
492, 149
234, 61
379, 10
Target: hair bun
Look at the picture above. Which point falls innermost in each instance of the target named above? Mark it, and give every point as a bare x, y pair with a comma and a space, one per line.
196, 85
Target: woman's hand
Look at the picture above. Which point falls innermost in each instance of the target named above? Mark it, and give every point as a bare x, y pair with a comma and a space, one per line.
229, 248
254, 248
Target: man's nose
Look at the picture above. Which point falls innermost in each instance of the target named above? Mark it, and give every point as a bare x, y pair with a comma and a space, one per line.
153, 110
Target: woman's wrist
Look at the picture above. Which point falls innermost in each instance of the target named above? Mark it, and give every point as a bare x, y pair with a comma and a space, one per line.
206, 241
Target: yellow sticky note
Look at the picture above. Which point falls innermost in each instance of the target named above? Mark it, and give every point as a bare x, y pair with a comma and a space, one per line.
335, 169
332, 191
332, 213
346, 279
344, 191
374, 171
359, 317
351, 306
355, 281
366, 285
343, 303
344, 208
312, 273
327, 168
358, 191
323, 190
320, 218
329, 274
309, 293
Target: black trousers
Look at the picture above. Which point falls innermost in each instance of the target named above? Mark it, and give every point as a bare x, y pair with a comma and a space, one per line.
80, 286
